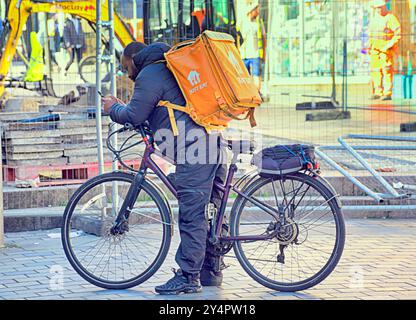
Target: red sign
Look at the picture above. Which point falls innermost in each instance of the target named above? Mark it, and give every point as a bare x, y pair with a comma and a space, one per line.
90, 7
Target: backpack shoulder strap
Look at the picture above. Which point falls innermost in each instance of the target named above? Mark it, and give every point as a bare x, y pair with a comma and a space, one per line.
170, 107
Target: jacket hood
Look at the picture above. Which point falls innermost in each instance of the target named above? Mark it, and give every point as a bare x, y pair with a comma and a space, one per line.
152, 53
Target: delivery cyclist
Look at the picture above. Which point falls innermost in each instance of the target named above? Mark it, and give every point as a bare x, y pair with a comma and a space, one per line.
384, 34
194, 181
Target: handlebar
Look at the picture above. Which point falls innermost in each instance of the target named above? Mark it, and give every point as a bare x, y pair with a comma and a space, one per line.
143, 130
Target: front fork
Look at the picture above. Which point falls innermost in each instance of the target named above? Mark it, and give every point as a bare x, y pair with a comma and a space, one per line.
121, 224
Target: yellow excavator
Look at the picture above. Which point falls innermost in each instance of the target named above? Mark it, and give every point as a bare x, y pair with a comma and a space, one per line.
18, 12
153, 20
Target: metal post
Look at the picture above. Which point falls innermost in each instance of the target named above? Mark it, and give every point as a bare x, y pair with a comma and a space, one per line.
269, 37
344, 76
355, 181
1, 197
302, 38
364, 163
113, 89
135, 31
345, 108
46, 47
112, 52
334, 8
98, 89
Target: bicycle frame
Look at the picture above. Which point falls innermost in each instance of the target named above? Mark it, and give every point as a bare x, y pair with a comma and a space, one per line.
148, 163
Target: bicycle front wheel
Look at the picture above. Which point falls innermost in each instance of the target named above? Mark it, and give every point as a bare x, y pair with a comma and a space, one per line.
304, 244
116, 261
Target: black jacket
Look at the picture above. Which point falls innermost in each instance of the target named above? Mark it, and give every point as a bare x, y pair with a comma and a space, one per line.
71, 37
154, 83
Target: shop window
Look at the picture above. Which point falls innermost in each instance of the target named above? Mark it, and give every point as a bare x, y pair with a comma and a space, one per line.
412, 5
305, 35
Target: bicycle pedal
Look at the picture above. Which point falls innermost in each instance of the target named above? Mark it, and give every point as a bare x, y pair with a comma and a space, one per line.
210, 211
281, 258
225, 266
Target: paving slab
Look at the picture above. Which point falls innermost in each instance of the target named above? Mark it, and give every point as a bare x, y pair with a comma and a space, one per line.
25, 270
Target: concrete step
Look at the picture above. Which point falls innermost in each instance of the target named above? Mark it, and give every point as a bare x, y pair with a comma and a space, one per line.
31, 219
18, 198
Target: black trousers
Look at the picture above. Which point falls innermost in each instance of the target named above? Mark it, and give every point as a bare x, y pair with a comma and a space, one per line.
194, 183
74, 52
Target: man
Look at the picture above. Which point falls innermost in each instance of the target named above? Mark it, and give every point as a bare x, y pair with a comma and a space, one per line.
54, 37
252, 48
384, 34
194, 181
74, 40
36, 69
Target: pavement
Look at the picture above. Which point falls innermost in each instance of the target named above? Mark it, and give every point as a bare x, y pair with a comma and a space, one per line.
379, 262
379, 259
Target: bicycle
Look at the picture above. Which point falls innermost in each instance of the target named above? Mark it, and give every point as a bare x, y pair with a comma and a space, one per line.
88, 65
287, 231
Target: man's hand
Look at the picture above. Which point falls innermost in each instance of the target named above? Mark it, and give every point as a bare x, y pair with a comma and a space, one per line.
109, 101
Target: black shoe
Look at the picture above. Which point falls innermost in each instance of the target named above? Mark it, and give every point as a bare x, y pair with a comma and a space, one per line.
385, 98
180, 283
211, 278
375, 97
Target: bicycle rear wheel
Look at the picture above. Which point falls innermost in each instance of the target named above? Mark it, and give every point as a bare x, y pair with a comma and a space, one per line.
87, 69
304, 248
115, 261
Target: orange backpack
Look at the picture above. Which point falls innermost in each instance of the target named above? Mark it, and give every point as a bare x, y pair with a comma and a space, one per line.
214, 81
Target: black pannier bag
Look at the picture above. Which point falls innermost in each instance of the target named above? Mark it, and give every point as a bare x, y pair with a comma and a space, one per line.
284, 159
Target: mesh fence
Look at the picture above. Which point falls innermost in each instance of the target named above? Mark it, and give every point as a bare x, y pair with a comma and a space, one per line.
311, 59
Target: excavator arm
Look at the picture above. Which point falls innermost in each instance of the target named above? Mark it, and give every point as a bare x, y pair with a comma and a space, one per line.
20, 10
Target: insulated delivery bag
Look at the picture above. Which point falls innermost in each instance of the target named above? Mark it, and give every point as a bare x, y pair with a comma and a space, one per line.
214, 81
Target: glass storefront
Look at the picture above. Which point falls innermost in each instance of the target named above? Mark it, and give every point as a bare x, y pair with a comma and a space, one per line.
3, 13
2, 9
412, 5
131, 11
306, 38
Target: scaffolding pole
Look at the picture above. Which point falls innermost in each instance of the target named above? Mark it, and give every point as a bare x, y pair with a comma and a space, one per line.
113, 89
112, 59
1, 198
98, 88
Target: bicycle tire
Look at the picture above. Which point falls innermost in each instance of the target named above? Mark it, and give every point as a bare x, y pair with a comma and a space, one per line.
160, 203
87, 61
332, 262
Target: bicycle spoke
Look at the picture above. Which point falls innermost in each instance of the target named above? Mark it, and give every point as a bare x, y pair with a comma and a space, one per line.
120, 257
313, 227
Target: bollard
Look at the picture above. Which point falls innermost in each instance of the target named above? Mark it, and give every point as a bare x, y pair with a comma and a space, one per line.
408, 84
